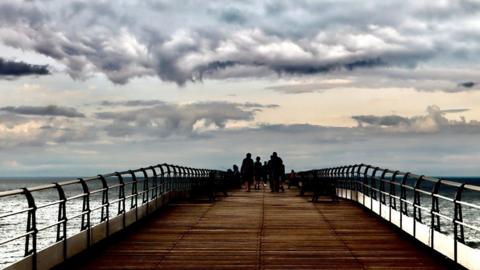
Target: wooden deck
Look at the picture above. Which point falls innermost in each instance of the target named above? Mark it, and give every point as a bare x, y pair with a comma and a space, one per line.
261, 230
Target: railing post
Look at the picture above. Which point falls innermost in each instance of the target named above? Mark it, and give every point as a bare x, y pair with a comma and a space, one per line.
417, 212
392, 201
457, 219
62, 219
358, 180
31, 228
417, 200
174, 178
351, 180
134, 200
169, 178
154, 183
403, 199
86, 211
383, 197
146, 192
105, 214
163, 187
393, 191
365, 184
373, 186
434, 218
121, 197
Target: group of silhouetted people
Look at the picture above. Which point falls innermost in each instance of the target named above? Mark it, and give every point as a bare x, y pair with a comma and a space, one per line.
257, 174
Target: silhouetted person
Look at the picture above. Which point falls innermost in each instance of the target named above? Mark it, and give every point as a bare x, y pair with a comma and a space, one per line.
277, 170
257, 173
247, 171
265, 173
236, 177
292, 179
282, 177
270, 174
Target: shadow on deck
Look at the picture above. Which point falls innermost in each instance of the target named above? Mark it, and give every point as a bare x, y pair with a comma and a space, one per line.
261, 230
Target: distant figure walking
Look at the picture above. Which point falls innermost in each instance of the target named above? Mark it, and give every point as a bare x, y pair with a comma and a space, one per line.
257, 174
276, 170
265, 173
236, 177
247, 171
292, 179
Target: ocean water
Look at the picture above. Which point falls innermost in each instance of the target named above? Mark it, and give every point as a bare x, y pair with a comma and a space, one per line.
16, 225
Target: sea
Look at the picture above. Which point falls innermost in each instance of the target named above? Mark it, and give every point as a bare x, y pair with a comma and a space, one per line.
16, 225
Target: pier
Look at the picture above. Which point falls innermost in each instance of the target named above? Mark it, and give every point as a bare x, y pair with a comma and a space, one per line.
261, 230
174, 217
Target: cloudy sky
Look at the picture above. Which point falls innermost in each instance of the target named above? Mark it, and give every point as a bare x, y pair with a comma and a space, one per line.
97, 86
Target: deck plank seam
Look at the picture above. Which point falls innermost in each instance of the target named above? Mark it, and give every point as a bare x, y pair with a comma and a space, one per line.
182, 236
332, 228
261, 233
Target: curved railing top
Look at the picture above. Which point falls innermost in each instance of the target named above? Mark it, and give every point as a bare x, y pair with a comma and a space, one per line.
395, 174
448, 210
90, 201
170, 169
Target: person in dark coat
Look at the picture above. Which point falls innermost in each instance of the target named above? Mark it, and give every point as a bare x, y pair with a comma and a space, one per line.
237, 182
247, 170
265, 173
270, 174
257, 173
277, 170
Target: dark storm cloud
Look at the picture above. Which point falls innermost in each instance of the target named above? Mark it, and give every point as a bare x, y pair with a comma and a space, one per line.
17, 69
50, 110
390, 120
467, 84
311, 69
186, 41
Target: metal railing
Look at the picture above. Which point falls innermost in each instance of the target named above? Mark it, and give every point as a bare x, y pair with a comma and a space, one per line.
429, 201
102, 198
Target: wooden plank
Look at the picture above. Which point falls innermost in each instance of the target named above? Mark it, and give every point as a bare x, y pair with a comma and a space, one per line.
263, 230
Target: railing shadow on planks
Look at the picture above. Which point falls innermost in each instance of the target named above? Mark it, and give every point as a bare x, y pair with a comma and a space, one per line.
97, 207
442, 214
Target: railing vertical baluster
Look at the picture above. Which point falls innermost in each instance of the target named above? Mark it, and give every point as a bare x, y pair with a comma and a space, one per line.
121, 197
31, 228
169, 178
373, 185
393, 191
86, 211
163, 186
351, 180
417, 200
365, 184
146, 192
434, 218
458, 231
105, 214
154, 183
403, 198
383, 197
174, 178
417, 212
134, 200
62, 218
392, 201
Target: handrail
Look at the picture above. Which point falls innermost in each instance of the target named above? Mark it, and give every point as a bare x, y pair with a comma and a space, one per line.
144, 186
418, 195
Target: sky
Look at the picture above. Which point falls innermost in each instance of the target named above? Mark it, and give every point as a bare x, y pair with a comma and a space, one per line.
90, 87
